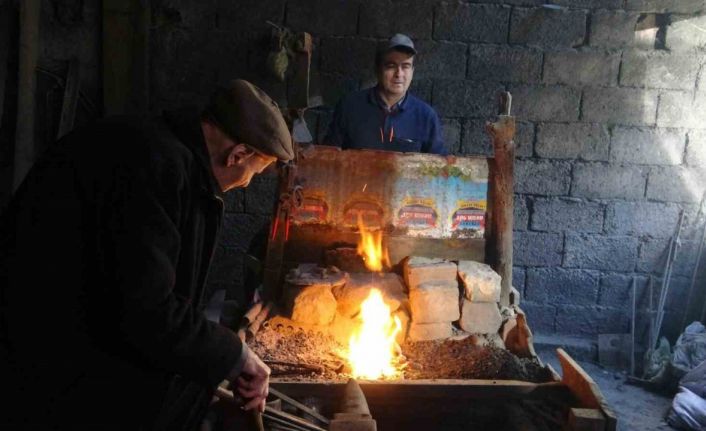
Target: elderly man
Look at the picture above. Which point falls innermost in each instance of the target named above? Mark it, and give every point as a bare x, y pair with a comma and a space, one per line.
105, 250
387, 116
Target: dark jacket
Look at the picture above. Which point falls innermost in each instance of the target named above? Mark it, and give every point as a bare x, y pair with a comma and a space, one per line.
105, 251
361, 120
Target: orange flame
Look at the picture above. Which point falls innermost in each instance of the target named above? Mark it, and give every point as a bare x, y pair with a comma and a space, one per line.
371, 348
371, 249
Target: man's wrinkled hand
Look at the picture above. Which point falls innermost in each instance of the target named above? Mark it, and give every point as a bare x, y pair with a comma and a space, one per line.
253, 382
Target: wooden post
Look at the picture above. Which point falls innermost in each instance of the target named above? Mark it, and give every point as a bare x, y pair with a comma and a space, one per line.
71, 93
299, 95
27, 88
125, 56
500, 194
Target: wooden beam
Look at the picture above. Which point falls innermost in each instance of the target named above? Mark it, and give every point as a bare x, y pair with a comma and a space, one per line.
501, 195
125, 56
5, 13
27, 88
70, 102
584, 388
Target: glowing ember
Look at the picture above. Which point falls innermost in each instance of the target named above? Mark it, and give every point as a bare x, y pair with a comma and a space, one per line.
370, 247
372, 346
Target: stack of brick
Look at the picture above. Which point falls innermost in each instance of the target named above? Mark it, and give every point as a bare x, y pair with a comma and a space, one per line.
480, 313
433, 297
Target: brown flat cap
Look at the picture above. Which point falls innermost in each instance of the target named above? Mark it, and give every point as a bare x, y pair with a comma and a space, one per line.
249, 116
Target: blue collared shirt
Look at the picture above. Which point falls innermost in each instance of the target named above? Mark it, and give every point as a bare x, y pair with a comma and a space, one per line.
362, 120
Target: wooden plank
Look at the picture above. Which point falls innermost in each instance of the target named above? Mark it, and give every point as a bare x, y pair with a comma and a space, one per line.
398, 392
584, 388
27, 87
500, 197
125, 56
70, 102
6, 12
586, 420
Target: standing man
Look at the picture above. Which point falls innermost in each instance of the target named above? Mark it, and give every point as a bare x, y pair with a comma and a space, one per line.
104, 252
387, 116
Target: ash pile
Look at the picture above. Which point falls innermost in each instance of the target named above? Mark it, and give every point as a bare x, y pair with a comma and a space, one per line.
449, 318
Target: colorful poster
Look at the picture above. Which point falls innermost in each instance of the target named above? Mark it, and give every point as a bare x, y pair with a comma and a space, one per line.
314, 209
469, 215
418, 213
370, 212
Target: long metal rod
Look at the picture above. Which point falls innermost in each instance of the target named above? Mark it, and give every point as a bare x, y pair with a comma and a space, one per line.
27, 88
632, 326
697, 264
673, 248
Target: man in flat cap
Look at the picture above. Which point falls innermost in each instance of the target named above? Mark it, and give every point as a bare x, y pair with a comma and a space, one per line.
387, 116
104, 252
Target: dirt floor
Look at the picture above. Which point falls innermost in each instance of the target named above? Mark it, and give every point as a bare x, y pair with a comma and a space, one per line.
637, 409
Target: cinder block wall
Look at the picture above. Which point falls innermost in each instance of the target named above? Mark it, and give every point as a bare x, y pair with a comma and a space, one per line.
610, 96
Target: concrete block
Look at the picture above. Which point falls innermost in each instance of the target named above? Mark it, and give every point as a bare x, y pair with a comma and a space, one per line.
652, 255
590, 4
504, 63
652, 219
616, 291
352, 294
471, 22
562, 286
465, 98
553, 103
640, 145
581, 68
682, 109
615, 253
480, 317
476, 141
429, 331
524, 139
333, 87
440, 60
573, 141
411, 17
418, 270
684, 33
613, 105
593, 180
659, 69
696, 150
675, 184
540, 317
548, 28
434, 301
591, 320
518, 279
314, 305
521, 213
422, 88
557, 215
239, 230
452, 134
261, 195
321, 17
537, 249
480, 282
349, 56
619, 29
671, 6
542, 177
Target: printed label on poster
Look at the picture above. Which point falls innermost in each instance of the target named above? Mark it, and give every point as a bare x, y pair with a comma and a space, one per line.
418, 213
371, 214
314, 209
469, 215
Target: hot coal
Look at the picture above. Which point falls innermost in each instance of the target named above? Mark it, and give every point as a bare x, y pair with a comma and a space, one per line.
301, 355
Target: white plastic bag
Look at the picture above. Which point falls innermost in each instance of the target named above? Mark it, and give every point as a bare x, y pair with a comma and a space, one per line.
688, 411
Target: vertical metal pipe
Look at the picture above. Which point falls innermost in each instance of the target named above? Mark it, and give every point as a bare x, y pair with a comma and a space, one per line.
27, 87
